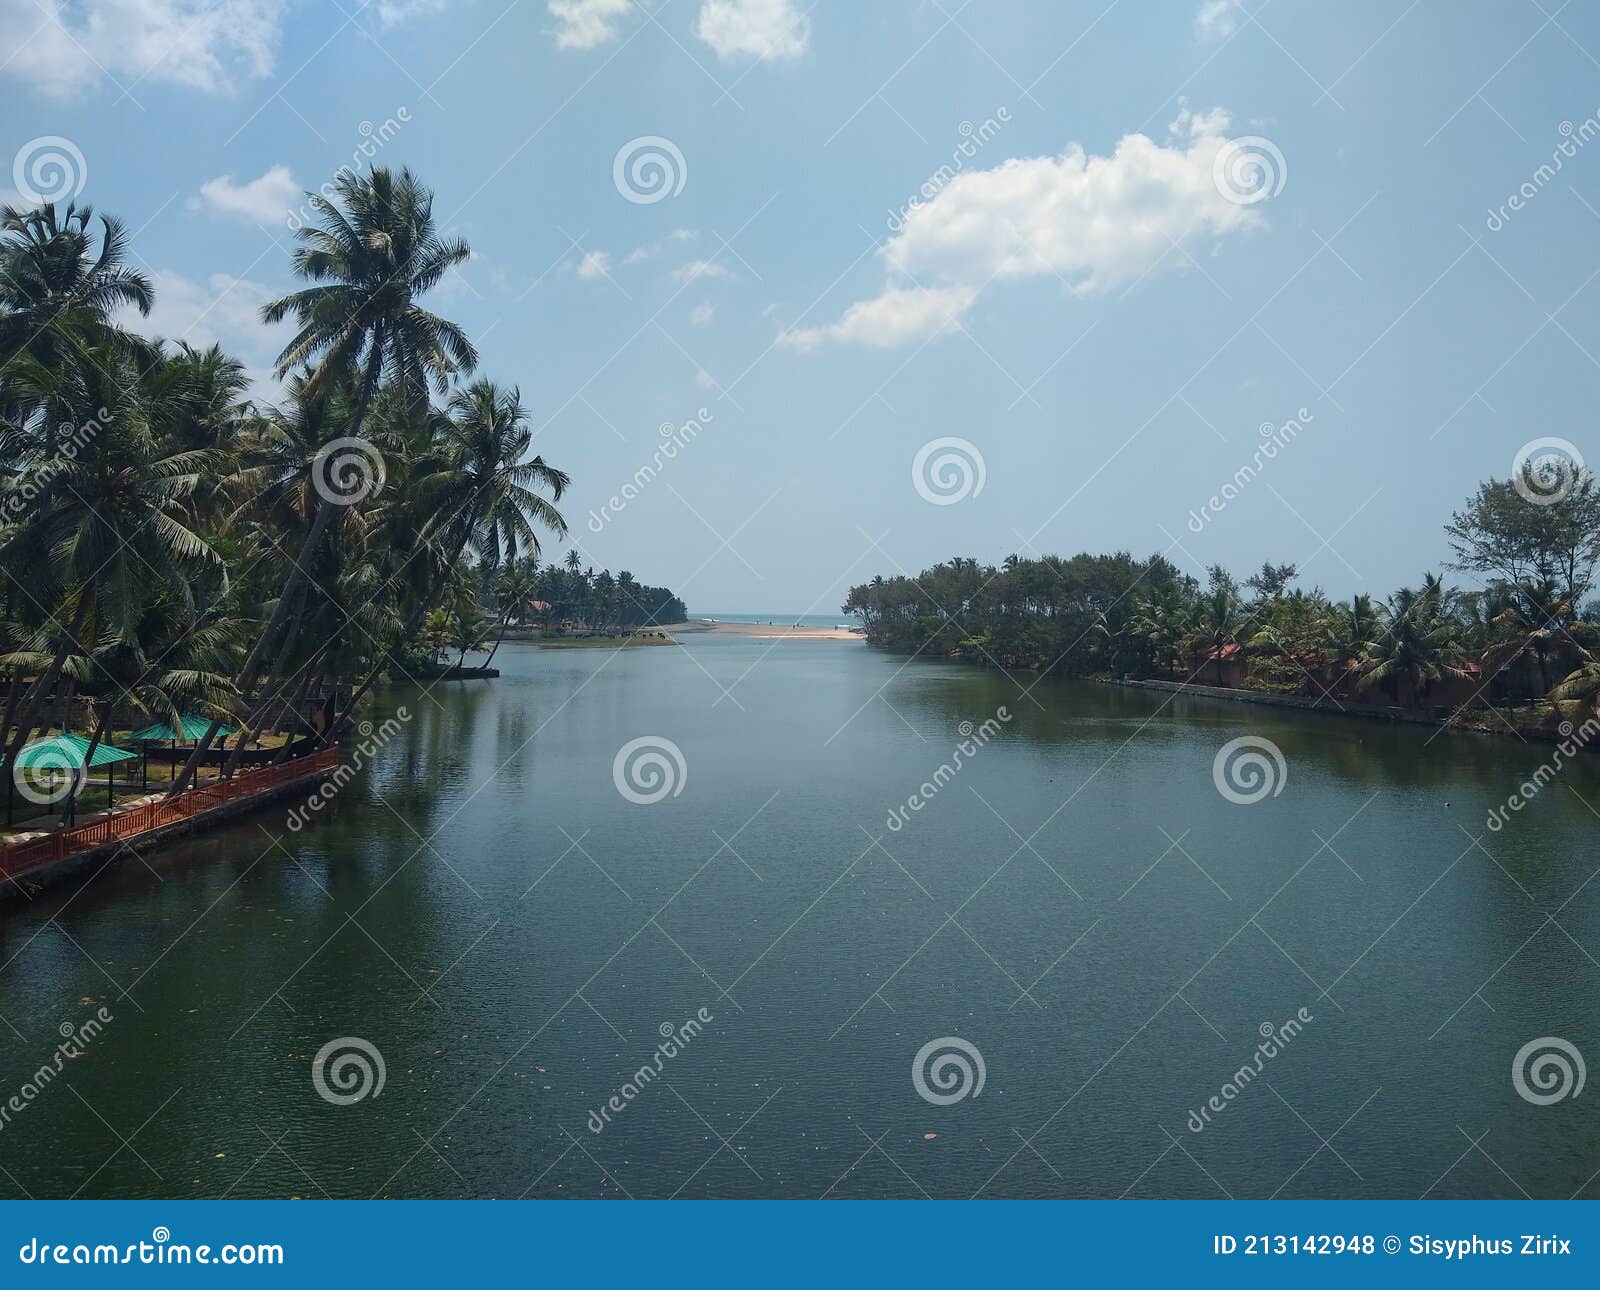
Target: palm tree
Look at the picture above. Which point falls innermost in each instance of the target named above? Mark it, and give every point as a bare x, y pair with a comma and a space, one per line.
1420, 644
1165, 618
1219, 620
375, 251
109, 523
514, 592
57, 294
437, 629
1533, 624
487, 486
468, 631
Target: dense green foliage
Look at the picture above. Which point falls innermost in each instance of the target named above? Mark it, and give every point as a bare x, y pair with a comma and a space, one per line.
168, 544
1527, 634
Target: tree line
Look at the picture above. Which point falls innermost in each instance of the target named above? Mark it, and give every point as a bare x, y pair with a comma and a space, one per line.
170, 545
1528, 635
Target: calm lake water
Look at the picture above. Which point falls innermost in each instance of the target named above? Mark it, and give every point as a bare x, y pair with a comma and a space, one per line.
1079, 903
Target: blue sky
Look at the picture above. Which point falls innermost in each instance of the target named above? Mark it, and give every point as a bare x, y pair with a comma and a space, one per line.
1079, 299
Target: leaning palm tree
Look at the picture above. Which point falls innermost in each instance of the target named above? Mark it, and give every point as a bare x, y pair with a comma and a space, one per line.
514, 592
375, 251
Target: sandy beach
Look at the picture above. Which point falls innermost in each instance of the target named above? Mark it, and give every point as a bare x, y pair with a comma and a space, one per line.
763, 631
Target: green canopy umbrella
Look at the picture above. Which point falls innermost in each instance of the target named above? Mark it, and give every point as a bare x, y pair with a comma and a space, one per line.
69, 752
189, 727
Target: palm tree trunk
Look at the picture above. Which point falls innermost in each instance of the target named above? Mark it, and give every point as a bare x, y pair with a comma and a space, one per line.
13, 696
252, 667
298, 577
294, 709
276, 670
505, 618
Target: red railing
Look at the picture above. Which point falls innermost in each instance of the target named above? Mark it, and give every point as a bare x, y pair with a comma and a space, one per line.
19, 857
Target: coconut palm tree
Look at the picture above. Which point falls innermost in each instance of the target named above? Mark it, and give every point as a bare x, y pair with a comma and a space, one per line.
1420, 643
487, 486
58, 294
1164, 617
1532, 625
514, 592
374, 252
109, 522
1219, 620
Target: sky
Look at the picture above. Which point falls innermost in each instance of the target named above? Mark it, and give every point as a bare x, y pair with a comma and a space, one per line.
845, 288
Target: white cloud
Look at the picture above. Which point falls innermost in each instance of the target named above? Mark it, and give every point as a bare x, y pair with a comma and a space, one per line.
651, 249
705, 380
1092, 222
764, 29
223, 310
697, 269
897, 317
267, 200
64, 47
391, 12
702, 314
596, 264
587, 23
1218, 19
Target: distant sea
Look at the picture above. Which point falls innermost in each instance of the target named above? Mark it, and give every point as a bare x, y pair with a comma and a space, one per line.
789, 620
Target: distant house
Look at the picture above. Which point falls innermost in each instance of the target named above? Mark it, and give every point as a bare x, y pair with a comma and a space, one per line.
1225, 666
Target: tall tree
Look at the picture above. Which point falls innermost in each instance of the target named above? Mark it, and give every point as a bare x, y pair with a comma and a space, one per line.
373, 254
1553, 540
